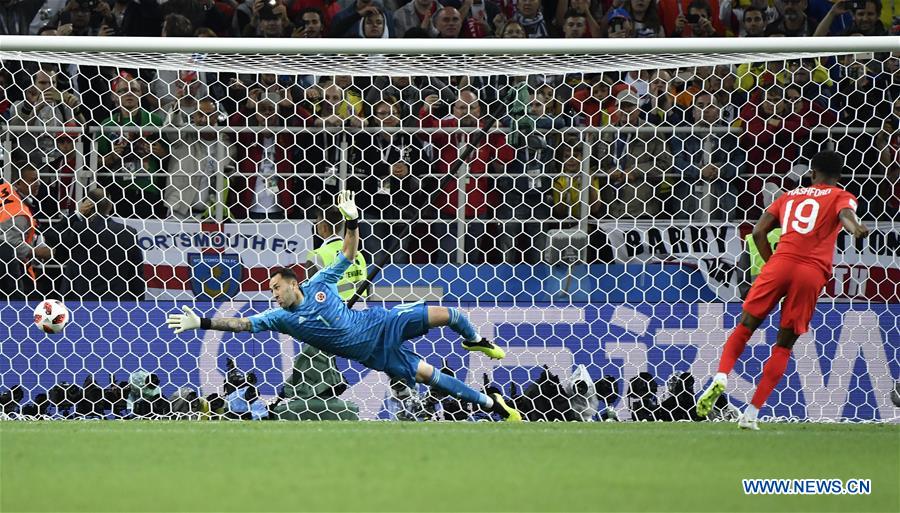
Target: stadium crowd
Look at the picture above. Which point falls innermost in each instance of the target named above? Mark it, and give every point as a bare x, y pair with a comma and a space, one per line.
736, 134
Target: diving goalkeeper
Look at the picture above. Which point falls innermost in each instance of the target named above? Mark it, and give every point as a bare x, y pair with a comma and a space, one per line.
313, 312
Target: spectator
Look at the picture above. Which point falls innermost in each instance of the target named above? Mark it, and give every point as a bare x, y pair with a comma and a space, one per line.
62, 189
574, 25
542, 111
589, 104
530, 16
345, 22
415, 14
101, 258
328, 8
83, 18
645, 18
333, 106
389, 182
200, 164
137, 18
580, 8
860, 105
634, 164
888, 142
735, 17
309, 23
406, 92
697, 23
263, 186
771, 141
176, 25
511, 30
373, 26
620, 24
491, 153
754, 23
567, 200
268, 21
658, 104
217, 15
18, 244
35, 193
134, 158
475, 14
448, 23
44, 105
866, 21
794, 22
813, 80
707, 156
15, 17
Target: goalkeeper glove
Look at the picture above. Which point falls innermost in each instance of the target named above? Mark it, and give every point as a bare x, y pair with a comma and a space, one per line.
347, 205
186, 321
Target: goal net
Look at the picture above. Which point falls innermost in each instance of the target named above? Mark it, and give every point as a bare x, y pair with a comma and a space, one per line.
588, 206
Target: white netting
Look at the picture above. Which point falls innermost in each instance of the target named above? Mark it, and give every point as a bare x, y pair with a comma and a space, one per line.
586, 211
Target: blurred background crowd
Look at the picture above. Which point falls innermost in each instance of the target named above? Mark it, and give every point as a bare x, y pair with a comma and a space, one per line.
504, 158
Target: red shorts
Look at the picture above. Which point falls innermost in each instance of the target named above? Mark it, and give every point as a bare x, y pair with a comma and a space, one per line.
800, 286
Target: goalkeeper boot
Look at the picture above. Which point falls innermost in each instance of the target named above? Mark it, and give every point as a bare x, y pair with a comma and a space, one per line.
485, 346
708, 399
500, 408
745, 423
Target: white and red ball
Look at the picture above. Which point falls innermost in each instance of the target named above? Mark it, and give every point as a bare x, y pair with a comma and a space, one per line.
51, 315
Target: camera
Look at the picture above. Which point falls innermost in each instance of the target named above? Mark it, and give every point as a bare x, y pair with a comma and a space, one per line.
854, 5
693, 19
87, 5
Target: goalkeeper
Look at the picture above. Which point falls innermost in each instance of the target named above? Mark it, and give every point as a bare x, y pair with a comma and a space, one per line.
313, 312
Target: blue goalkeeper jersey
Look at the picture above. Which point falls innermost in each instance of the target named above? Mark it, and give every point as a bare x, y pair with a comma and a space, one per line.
323, 320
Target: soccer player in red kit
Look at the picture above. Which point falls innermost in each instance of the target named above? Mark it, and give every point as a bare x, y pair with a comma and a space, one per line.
810, 219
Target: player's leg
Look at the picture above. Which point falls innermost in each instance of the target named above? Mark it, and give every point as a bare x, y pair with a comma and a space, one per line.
426, 373
439, 316
770, 286
734, 346
796, 312
773, 370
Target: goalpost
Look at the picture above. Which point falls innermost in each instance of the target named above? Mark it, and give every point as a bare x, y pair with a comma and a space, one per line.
585, 201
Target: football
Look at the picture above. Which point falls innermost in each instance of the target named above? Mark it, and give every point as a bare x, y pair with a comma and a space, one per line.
51, 315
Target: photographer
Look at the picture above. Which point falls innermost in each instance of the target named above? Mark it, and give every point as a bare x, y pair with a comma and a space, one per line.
82, 18
268, 19
642, 399
576, 399
696, 23
242, 399
144, 397
865, 14
681, 403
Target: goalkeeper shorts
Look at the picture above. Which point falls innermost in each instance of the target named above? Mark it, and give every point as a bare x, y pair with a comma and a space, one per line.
392, 354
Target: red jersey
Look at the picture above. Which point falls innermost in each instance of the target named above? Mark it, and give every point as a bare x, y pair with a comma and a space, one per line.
810, 224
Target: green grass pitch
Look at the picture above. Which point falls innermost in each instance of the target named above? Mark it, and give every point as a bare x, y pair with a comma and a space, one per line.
381, 466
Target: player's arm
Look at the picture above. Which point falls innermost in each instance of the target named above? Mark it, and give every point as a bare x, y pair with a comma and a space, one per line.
766, 224
852, 224
188, 320
347, 205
